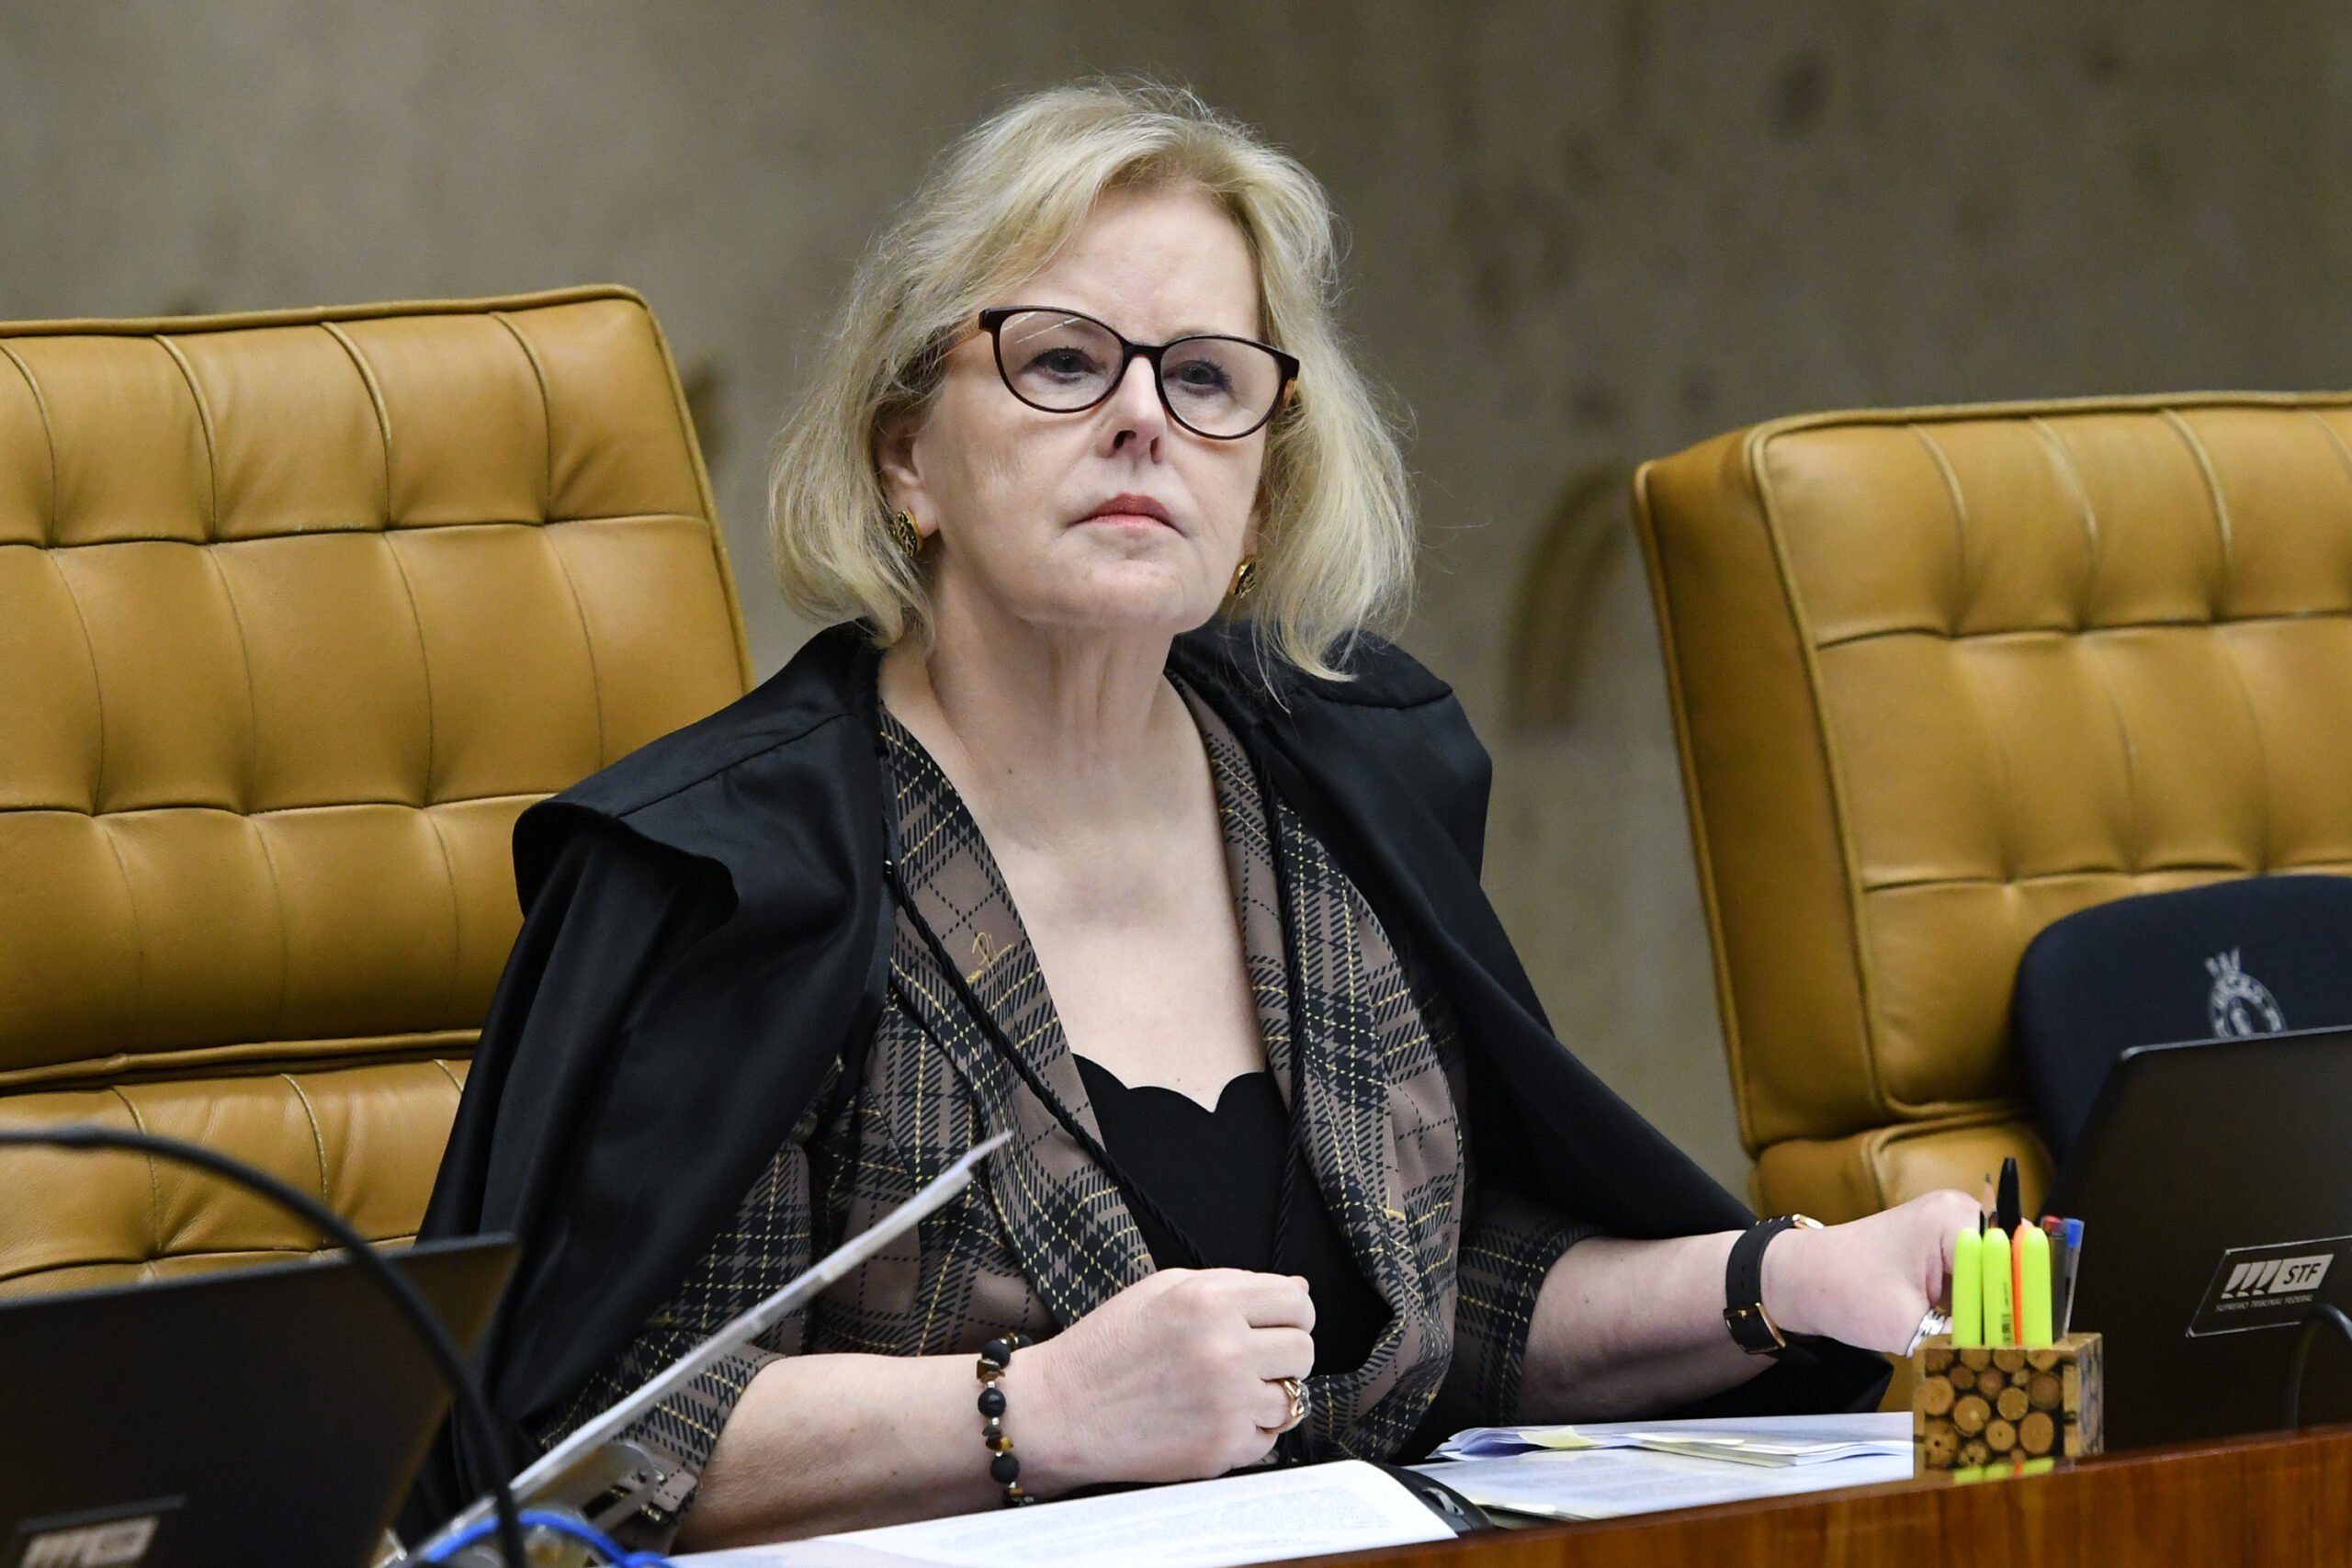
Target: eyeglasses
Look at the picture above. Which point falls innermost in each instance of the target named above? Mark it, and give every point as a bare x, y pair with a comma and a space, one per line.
1061, 362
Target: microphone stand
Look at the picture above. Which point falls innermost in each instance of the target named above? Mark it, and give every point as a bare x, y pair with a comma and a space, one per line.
2324, 1316
594, 1457
422, 1319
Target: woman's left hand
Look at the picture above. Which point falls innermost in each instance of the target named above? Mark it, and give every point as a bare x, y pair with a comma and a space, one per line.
1870, 1282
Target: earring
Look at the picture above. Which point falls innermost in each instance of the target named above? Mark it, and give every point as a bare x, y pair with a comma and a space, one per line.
905, 535
1245, 578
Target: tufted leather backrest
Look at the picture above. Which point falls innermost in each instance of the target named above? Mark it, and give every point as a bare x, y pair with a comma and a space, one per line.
298, 613
1941, 676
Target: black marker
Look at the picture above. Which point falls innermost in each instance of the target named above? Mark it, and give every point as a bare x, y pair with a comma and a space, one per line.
2008, 1209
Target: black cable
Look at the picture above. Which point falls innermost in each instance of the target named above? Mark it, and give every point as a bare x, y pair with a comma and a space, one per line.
2326, 1315
422, 1319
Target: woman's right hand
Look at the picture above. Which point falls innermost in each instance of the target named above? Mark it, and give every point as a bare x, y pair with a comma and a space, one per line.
1171, 1380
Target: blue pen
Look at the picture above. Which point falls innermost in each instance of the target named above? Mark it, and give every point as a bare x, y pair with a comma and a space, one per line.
2055, 1229
2066, 1285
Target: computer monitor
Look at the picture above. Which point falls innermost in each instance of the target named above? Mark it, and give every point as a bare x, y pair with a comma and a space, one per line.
268, 1414
2214, 1183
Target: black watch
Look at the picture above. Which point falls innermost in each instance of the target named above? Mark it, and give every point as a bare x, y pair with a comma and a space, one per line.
1752, 1328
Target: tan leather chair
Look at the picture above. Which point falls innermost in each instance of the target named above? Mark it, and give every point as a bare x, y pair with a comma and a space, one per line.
297, 611
1941, 676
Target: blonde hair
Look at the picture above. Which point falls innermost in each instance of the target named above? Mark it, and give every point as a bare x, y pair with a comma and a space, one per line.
1336, 537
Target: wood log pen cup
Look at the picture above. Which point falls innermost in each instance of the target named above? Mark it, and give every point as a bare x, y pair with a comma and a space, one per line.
1998, 1404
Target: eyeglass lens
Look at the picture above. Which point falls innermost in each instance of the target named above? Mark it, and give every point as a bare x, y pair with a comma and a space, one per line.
1063, 363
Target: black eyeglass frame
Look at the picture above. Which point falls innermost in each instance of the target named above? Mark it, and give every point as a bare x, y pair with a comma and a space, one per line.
992, 321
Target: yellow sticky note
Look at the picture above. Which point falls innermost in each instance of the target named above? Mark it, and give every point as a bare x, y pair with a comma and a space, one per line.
1562, 1438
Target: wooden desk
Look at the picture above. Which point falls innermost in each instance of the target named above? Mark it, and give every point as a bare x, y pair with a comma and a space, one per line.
2283, 1500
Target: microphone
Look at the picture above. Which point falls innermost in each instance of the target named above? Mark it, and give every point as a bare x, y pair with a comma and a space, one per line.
447, 1358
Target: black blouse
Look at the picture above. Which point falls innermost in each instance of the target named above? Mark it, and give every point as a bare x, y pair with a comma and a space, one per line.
1214, 1173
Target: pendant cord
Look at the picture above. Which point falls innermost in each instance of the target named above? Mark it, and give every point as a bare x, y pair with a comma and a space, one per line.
1129, 1189
1290, 1447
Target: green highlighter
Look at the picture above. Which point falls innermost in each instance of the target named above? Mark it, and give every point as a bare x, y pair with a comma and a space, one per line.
1968, 1289
2000, 1320
2034, 1269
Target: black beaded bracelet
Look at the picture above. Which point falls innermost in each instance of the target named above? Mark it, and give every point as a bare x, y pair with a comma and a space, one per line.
1004, 1469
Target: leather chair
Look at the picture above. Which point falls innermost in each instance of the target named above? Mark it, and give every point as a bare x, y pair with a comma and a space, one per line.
297, 611
1940, 676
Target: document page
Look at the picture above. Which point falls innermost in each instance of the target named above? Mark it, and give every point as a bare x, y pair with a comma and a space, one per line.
1262, 1518
1607, 1483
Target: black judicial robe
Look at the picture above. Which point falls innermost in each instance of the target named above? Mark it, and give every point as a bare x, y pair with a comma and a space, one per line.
706, 930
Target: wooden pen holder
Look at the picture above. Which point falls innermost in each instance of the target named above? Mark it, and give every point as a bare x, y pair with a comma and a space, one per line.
1989, 1406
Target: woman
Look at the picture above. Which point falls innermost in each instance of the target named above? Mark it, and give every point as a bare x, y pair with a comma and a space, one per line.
1102, 824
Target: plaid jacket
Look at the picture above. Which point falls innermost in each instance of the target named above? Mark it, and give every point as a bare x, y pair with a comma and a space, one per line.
1043, 1236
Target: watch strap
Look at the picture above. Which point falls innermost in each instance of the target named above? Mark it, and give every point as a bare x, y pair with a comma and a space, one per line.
1752, 1328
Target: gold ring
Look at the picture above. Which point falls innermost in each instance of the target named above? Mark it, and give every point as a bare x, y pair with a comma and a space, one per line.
1297, 1391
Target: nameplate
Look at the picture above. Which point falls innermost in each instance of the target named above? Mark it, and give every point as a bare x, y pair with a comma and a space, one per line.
119, 1536
2273, 1286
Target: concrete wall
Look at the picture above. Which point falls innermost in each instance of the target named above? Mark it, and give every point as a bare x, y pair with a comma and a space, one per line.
1584, 234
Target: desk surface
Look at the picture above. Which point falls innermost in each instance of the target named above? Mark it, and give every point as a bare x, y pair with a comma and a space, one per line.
2285, 1500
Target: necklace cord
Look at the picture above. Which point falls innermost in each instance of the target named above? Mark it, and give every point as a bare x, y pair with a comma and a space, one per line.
1026, 1071
1290, 1446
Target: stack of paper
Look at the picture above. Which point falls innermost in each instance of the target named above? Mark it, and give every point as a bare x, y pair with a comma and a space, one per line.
1606, 1471
1263, 1516
1763, 1439
1607, 1483
1585, 1472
